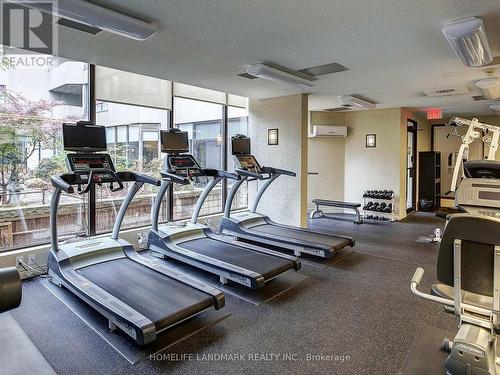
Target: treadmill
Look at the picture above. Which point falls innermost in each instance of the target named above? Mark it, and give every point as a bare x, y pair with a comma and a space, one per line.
252, 227
195, 244
139, 296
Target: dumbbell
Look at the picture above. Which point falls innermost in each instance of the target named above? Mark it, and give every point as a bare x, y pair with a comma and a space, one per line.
368, 206
389, 208
375, 206
382, 207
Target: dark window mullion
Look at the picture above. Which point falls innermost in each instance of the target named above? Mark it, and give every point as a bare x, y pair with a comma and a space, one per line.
224, 154
91, 213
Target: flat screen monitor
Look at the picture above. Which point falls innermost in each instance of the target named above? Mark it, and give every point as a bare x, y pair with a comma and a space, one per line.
240, 146
174, 142
84, 137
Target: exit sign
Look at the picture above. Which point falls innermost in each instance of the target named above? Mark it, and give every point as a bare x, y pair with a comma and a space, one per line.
434, 114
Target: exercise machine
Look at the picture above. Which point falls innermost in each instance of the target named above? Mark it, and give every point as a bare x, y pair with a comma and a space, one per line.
255, 228
479, 191
468, 272
141, 297
196, 244
10, 289
476, 130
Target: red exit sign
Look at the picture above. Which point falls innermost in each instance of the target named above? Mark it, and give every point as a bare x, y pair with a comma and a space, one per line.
434, 114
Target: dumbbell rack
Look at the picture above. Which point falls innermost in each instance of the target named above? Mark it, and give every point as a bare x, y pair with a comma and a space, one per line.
391, 200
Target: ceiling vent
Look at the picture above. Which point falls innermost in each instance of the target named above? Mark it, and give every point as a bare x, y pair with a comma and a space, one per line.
447, 91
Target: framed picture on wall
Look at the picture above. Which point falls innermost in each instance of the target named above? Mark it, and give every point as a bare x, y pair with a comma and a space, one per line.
272, 137
371, 140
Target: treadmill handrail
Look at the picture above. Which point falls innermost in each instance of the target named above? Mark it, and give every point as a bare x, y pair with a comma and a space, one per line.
64, 182
127, 176
172, 177
140, 180
248, 174
271, 170
220, 173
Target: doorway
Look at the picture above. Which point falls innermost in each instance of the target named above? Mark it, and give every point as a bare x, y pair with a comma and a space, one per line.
411, 165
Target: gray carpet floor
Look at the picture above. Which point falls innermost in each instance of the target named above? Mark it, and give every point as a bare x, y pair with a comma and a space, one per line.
359, 311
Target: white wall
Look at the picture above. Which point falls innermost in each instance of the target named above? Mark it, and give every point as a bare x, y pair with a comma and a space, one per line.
286, 199
372, 168
326, 156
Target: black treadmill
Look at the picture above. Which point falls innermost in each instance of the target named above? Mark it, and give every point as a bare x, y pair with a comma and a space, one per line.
140, 296
255, 228
195, 244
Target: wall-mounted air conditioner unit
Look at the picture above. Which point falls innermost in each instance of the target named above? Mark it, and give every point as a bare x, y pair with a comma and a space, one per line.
328, 131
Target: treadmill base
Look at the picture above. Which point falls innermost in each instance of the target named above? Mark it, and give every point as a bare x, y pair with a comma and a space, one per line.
121, 342
324, 263
272, 289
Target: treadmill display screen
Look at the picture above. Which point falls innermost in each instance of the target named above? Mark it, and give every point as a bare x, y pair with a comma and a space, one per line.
182, 162
174, 142
84, 137
249, 163
86, 163
240, 146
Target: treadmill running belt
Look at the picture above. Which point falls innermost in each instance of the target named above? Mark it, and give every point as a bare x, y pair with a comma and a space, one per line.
267, 265
161, 299
336, 243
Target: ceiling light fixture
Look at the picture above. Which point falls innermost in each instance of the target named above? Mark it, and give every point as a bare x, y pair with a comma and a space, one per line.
468, 39
97, 16
280, 74
490, 87
351, 101
495, 107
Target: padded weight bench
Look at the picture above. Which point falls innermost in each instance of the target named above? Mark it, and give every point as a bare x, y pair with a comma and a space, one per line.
317, 213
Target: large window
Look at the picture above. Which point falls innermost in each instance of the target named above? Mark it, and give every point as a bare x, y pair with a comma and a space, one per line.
203, 122
35, 101
132, 135
237, 123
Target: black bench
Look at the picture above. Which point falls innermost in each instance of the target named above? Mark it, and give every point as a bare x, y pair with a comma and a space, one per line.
317, 213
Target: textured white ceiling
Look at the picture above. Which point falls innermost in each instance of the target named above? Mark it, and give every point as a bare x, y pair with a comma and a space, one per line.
394, 48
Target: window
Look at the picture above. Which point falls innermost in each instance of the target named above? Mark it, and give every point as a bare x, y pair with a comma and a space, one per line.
133, 145
237, 123
31, 151
133, 108
203, 122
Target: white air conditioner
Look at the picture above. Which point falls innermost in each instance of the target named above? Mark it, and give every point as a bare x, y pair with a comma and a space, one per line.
328, 131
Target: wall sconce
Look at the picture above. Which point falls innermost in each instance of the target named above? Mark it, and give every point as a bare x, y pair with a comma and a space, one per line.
272, 137
371, 140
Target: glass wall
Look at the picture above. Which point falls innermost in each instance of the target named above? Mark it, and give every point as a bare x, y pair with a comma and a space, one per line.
35, 101
203, 122
132, 135
237, 123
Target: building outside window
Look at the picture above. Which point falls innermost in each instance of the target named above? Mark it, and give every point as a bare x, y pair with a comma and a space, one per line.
203, 123
35, 101
237, 123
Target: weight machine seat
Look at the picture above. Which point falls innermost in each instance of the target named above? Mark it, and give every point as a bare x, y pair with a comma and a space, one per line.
445, 291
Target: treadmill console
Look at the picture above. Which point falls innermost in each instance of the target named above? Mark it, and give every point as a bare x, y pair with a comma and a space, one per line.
100, 165
183, 165
247, 163
480, 196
